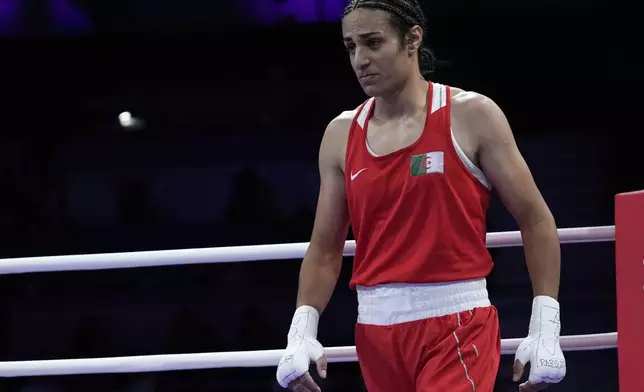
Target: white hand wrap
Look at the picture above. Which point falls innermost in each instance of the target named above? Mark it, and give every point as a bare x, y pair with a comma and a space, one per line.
541, 348
302, 347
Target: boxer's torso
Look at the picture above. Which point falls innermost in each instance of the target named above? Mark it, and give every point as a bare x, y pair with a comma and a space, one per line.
417, 201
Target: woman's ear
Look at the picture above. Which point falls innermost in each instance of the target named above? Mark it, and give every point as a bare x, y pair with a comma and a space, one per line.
414, 39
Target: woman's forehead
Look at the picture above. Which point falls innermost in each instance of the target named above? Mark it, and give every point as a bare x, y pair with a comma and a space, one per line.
364, 20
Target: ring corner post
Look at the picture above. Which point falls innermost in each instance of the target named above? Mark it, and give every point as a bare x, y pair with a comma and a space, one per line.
629, 271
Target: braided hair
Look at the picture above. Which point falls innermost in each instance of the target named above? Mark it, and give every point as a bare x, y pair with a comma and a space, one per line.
404, 14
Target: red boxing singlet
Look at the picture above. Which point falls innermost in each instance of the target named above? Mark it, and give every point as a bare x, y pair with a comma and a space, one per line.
419, 213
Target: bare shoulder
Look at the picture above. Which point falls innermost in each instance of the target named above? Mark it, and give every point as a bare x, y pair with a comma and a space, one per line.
339, 126
479, 114
468, 101
334, 141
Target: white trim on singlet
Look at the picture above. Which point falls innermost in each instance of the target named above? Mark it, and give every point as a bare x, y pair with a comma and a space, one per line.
439, 100
475, 170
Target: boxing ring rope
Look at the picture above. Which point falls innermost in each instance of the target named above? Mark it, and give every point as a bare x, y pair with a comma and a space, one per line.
263, 358
236, 254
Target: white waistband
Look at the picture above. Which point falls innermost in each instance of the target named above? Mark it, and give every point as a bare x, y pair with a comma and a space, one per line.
397, 303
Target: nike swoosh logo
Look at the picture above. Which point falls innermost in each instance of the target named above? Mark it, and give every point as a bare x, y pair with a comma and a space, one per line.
353, 176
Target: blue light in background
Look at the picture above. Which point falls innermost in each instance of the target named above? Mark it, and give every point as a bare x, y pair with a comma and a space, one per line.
67, 18
301, 11
333, 10
63, 18
8, 15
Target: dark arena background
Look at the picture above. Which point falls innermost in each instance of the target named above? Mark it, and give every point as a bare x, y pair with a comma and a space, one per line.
228, 101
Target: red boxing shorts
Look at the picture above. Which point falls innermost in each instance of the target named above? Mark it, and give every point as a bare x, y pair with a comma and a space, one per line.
457, 352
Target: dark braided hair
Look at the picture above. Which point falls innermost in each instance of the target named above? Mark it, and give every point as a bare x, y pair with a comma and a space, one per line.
404, 15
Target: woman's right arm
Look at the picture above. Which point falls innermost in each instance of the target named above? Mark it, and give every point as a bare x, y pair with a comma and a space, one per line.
322, 262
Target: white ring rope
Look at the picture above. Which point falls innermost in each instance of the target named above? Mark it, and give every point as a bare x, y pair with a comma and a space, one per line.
233, 254
266, 358
160, 363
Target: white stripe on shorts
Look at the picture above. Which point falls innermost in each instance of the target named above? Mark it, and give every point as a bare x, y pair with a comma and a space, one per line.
460, 356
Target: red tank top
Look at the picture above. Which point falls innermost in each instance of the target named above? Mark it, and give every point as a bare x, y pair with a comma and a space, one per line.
419, 213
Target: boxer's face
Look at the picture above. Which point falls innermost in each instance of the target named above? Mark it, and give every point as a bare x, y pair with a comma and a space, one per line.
378, 57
